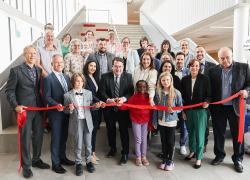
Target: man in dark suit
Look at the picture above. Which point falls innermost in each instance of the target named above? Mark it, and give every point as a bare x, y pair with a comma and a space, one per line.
102, 57
23, 90
228, 78
55, 85
205, 66
117, 86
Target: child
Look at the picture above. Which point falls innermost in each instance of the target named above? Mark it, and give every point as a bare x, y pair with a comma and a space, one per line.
167, 95
81, 124
140, 118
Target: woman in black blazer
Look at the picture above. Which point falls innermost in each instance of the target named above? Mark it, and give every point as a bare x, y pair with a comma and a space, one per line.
195, 88
92, 82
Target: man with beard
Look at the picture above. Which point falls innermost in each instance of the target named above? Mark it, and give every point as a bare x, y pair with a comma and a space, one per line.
102, 57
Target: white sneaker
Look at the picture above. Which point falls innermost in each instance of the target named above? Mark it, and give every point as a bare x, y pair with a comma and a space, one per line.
183, 150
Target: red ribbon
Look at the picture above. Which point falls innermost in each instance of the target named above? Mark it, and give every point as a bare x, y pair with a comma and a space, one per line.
21, 117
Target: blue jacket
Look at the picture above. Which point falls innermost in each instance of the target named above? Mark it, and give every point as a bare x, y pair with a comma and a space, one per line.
157, 114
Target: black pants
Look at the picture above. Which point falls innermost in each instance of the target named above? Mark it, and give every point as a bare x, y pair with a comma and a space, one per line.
121, 117
168, 142
33, 129
207, 129
96, 120
220, 114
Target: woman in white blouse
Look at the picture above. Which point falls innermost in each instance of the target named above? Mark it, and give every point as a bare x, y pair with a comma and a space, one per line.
74, 61
130, 57
146, 71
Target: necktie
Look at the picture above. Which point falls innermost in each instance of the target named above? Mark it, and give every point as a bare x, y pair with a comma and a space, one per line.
116, 87
202, 68
79, 94
63, 82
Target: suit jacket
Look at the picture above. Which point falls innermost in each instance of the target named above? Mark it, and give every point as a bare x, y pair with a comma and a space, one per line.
201, 90
140, 52
53, 93
208, 65
94, 56
133, 60
240, 81
69, 98
91, 87
20, 88
107, 86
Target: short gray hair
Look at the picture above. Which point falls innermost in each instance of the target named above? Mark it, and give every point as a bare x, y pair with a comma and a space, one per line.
26, 48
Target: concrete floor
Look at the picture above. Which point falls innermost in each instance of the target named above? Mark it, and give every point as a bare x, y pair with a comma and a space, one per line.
110, 170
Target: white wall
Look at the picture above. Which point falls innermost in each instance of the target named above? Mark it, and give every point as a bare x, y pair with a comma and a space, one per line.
175, 15
117, 8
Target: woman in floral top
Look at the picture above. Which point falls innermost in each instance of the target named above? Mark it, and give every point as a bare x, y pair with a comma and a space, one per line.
74, 61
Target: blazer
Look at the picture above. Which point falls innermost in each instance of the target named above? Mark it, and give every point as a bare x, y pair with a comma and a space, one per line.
133, 60
208, 65
53, 92
201, 90
94, 56
107, 86
69, 98
91, 87
21, 90
240, 81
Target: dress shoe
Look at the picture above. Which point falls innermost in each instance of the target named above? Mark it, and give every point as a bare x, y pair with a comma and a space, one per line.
27, 173
111, 153
216, 161
247, 151
40, 164
90, 167
67, 162
238, 167
79, 169
197, 166
124, 159
189, 157
58, 169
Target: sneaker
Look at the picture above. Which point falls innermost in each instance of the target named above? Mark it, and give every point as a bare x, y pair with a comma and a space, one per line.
138, 162
183, 150
169, 166
144, 161
162, 166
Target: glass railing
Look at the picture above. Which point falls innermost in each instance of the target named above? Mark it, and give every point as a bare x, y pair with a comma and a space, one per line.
98, 16
157, 35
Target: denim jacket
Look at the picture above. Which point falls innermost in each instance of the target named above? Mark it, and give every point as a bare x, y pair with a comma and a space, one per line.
158, 114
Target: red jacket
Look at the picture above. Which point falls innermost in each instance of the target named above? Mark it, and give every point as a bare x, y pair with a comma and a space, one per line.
139, 115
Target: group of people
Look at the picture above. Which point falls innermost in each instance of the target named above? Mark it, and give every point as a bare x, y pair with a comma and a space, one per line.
90, 74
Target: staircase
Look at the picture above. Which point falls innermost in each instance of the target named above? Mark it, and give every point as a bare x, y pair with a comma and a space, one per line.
133, 32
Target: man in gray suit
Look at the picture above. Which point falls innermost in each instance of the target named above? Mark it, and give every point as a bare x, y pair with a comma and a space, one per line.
23, 90
102, 57
81, 124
